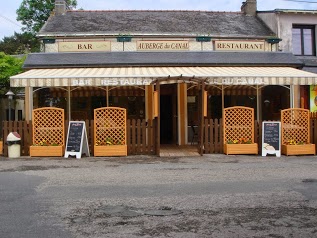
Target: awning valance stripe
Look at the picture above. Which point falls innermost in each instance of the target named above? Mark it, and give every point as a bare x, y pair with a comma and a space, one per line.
127, 76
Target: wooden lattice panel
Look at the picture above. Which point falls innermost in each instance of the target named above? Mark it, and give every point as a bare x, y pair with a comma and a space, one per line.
48, 126
238, 123
295, 125
110, 126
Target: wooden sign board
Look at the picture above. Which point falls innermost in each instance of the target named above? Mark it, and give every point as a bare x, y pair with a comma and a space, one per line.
271, 138
77, 143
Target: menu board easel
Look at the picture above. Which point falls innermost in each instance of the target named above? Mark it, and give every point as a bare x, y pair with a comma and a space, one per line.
271, 138
77, 143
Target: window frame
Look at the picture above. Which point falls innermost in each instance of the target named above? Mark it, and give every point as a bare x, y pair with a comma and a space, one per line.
302, 46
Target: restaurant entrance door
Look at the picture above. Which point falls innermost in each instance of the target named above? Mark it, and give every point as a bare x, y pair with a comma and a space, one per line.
168, 114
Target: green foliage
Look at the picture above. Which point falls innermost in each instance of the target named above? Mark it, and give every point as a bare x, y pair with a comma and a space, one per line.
34, 13
20, 44
9, 66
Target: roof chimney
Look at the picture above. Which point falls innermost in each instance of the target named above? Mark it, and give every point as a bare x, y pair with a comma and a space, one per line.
60, 7
249, 7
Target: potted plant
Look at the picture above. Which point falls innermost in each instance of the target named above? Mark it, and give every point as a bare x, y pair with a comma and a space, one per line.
238, 128
296, 132
110, 147
48, 132
110, 135
46, 148
293, 147
241, 146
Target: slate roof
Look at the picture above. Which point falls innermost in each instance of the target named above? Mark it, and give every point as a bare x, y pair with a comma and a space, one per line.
117, 59
309, 61
142, 23
296, 11
310, 69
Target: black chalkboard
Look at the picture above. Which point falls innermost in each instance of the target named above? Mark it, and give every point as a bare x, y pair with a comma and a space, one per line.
74, 136
271, 134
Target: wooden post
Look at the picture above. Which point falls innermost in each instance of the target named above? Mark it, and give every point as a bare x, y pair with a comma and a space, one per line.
202, 106
27, 104
182, 113
158, 125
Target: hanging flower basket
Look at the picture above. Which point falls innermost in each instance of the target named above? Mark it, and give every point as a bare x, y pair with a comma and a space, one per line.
203, 38
124, 38
273, 40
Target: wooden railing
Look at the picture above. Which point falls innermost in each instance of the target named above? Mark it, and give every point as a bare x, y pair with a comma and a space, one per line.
141, 136
313, 115
24, 129
213, 135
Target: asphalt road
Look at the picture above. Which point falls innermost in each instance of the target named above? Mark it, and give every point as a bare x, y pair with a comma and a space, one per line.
209, 196
22, 210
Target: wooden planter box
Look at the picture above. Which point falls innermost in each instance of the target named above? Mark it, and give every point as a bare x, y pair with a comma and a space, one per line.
233, 149
110, 150
47, 151
308, 149
1, 147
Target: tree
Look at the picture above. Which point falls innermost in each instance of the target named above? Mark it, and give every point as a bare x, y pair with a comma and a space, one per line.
9, 66
20, 44
34, 13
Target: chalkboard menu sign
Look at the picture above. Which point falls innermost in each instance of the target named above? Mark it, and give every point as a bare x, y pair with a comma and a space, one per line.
271, 138
76, 142
75, 131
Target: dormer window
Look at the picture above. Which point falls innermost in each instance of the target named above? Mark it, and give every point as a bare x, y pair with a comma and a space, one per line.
303, 40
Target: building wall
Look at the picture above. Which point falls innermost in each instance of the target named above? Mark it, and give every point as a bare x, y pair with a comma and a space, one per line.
270, 20
282, 25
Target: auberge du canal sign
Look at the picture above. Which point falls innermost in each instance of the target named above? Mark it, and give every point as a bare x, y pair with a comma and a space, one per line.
159, 45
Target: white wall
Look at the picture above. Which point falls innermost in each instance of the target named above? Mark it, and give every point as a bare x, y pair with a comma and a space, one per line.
270, 19
282, 24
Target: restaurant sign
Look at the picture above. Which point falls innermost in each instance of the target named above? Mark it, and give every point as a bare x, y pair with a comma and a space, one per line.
238, 81
170, 45
239, 46
84, 46
111, 82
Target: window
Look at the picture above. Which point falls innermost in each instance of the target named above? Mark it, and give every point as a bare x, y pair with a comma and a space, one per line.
19, 115
12, 114
303, 40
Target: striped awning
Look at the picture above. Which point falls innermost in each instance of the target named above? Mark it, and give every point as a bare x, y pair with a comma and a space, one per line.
130, 76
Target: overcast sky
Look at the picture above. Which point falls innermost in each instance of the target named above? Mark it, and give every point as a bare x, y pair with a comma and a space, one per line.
9, 25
